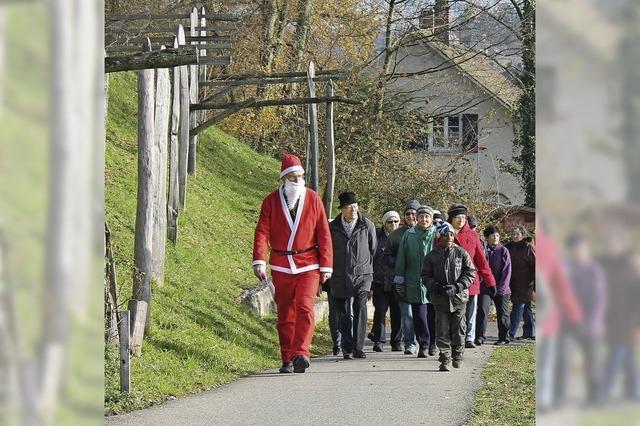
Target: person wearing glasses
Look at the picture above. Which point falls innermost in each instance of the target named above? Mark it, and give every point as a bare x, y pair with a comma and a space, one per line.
293, 226
393, 244
383, 296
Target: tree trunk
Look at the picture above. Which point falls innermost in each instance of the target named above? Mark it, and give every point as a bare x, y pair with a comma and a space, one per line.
303, 27
386, 60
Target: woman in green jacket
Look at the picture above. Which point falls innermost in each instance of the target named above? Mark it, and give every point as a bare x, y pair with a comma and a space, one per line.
415, 244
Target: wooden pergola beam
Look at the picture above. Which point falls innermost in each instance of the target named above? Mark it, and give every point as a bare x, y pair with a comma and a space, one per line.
259, 81
274, 102
166, 58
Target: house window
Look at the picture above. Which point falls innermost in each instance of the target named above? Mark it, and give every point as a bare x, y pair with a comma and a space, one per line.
453, 133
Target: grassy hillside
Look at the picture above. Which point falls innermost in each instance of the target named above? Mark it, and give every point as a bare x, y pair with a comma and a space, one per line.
201, 337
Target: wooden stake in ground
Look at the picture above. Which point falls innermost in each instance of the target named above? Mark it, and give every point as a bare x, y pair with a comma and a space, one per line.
161, 133
312, 111
147, 182
183, 141
138, 313
125, 358
193, 95
331, 155
173, 205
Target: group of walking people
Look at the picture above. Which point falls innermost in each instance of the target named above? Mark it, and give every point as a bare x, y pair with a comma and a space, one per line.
436, 277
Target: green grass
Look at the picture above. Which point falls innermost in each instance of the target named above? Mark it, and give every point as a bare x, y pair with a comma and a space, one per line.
201, 336
508, 396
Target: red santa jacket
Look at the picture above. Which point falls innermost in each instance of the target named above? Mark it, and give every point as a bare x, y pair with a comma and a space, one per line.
470, 241
278, 231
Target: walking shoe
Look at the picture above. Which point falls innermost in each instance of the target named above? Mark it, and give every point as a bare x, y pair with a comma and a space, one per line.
410, 350
479, 341
347, 356
300, 363
501, 342
422, 353
287, 367
377, 347
457, 363
444, 366
433, 350
396, 348
469, 344
336, 350
359, 354
371, 337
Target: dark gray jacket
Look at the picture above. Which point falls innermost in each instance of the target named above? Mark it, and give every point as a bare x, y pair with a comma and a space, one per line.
352, 257
440, 268
382, 273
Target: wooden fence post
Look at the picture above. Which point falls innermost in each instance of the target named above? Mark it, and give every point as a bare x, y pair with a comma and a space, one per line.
183, 140
146, 190
163, 100
173, 205
193, 94
125, 357
137, 323
331, 155
312, 109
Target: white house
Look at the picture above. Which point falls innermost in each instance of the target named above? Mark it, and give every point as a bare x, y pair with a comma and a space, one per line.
466, 105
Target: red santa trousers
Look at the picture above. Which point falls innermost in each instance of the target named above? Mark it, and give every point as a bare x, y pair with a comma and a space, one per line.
295, 297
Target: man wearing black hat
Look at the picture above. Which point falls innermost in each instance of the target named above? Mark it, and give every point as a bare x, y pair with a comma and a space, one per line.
354, 247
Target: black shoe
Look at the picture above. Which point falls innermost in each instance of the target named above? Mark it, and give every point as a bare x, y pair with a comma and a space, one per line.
287, 367
433, 350
336, 350
359, 354
300, 363
478, 342
457, 363
469, 344
371, 337
377, 347
501, 342
396, 348
444, 366
347, 356
422, 353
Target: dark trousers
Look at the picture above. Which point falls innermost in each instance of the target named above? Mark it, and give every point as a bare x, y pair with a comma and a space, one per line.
334, 320
502, 311
353, 321
589, 346
451, 329
420, 324
383, 300
431, 321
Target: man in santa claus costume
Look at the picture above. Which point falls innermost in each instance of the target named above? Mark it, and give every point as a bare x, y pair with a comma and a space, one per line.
294, 226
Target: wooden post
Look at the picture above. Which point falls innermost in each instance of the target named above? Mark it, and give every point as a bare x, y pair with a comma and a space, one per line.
125, 358
183, 140
163, 100
202, 115
312, 153
146, 190
138, 313
111, 290
331, 155
173, 205
193, 94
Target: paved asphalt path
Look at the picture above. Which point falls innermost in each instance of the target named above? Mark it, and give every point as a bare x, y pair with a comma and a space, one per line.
385, 388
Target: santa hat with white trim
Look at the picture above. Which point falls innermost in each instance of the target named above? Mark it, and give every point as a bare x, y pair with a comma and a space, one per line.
290, 163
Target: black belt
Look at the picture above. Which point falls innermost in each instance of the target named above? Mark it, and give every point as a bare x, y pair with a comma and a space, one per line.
292, 252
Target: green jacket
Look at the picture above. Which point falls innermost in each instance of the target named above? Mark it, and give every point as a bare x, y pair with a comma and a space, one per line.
414, 246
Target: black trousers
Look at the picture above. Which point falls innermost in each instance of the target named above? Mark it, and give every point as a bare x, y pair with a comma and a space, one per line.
353, 321
502, 311
383, 301
421, 324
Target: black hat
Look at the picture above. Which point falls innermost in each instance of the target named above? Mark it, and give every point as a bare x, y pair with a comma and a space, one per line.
424, 209
490, 230
473, 221
347, 198
412, 205
457, 209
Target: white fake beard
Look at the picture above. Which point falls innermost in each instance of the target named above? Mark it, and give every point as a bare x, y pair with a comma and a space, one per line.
293, 190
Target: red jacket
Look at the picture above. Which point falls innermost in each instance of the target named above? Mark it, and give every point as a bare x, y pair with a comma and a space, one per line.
470, 241
278, 231
555, 287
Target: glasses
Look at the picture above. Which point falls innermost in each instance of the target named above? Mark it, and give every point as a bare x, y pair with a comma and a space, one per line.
393, 221
410, 214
